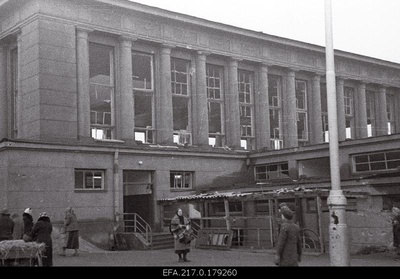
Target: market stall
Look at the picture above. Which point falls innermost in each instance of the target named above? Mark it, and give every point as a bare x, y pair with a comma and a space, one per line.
19, 252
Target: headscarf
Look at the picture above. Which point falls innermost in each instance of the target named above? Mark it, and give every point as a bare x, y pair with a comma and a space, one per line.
181, 218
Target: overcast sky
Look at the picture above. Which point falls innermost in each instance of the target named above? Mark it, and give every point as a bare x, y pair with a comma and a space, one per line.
366, 27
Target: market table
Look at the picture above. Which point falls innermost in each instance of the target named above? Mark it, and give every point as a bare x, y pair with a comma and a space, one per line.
19, 252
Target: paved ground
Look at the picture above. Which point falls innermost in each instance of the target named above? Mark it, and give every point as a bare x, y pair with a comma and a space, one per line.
205, 257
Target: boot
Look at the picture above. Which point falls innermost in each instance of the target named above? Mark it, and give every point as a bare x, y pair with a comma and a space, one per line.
185, 259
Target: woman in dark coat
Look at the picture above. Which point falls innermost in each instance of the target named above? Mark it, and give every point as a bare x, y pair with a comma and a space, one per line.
28, 221
41, 233
180, 225
288, 248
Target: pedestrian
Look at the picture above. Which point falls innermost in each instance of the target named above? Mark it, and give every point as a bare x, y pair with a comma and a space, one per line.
72, 231
18, 226
6, 226
288, 248
396, 231
279, 220
180, 228
28, 224
41, 233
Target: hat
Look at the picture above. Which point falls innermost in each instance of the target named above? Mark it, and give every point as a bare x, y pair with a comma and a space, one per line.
28, 210
5, 212
283, 204
287, 213
43, 214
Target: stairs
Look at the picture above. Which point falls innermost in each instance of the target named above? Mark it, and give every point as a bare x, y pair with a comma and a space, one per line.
162, 240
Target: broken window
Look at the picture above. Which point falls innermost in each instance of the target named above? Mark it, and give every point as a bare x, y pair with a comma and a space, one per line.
275, 111
89, 179
246, 104
181, 100
181, 180
215, 104
349, 111
101, 65
370, 100
324, 113
302, 115
143, 94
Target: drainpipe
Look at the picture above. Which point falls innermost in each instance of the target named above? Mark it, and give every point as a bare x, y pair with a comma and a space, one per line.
116, 191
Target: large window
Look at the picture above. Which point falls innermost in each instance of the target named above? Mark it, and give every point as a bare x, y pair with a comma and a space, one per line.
89, 179
143, 93
181, 180
245, 86
218, 208
275, 111
214, 81
370, 100
349, 111
302, 115
271, 171
389, 160
181, 103
101, 61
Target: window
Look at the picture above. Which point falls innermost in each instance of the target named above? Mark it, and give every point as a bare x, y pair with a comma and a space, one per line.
324, 113
218, 208
312, 204
89, 180
143, 94
245, 86
101, 65
261, 207
301, 105
388, 160
15, 93
390, 101
214, 82
180, 180
349, 111
370, 100
180, 99
275, 111
272, 171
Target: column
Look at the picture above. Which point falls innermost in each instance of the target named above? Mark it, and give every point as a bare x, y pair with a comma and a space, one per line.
127, 108
361, 120
232, 119
316, 121
3, 94
382, 115
200, 109
164, 97
290, 111
341, 117
261, 102
83, 80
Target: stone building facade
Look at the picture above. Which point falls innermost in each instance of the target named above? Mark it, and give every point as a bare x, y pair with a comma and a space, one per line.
111, 106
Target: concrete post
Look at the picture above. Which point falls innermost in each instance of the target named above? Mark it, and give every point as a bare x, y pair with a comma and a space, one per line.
340, 109
382, 116
361, 120
3, 95
232, 119
290, 112
201, 106
316, 120
262, 123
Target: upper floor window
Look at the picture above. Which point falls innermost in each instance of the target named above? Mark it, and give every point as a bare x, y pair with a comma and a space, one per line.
390, 101
370, 100
271, 171
89, 179
181, 180
349, 111
275, 111
214, 83
245, 86
302, 115
101, 67
386, 160
143, 94
181, 100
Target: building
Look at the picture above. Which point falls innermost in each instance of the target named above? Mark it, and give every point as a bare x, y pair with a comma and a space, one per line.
114, 107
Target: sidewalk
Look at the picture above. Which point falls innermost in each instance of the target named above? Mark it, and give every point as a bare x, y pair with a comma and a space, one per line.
206, 257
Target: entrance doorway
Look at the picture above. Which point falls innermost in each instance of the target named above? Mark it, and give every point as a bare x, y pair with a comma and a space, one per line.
137, 196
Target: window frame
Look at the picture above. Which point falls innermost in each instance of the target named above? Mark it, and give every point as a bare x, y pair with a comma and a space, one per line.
183, 173
369, 162
302, 110
246, 106
275, 110
93, 171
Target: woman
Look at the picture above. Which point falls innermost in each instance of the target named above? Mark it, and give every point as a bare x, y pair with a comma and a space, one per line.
180, 228
28, 224
71, 225
41, 233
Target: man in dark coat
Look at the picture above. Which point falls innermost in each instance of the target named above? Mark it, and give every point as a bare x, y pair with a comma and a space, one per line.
6, 226
41, 233
288, 249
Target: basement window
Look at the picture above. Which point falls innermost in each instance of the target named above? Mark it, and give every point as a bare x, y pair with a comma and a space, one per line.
89, 180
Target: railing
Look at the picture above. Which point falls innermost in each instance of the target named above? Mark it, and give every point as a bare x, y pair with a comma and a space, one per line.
132, 222
310, 241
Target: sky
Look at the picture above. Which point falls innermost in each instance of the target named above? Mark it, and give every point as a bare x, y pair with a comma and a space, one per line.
365, 27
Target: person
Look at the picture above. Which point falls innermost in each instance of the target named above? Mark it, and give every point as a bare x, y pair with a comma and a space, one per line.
279, 220
18, 226
396, 231
28, 223
180, 228
41, 233
6, 226
72, 230
288, 248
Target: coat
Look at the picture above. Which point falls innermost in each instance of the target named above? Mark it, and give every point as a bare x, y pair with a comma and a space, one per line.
71, 222
177, 231
28, 223
18, 227
288, 247
6, 227
396, 230
41, 233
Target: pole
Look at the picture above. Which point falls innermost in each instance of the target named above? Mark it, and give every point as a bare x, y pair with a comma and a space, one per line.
338, 245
